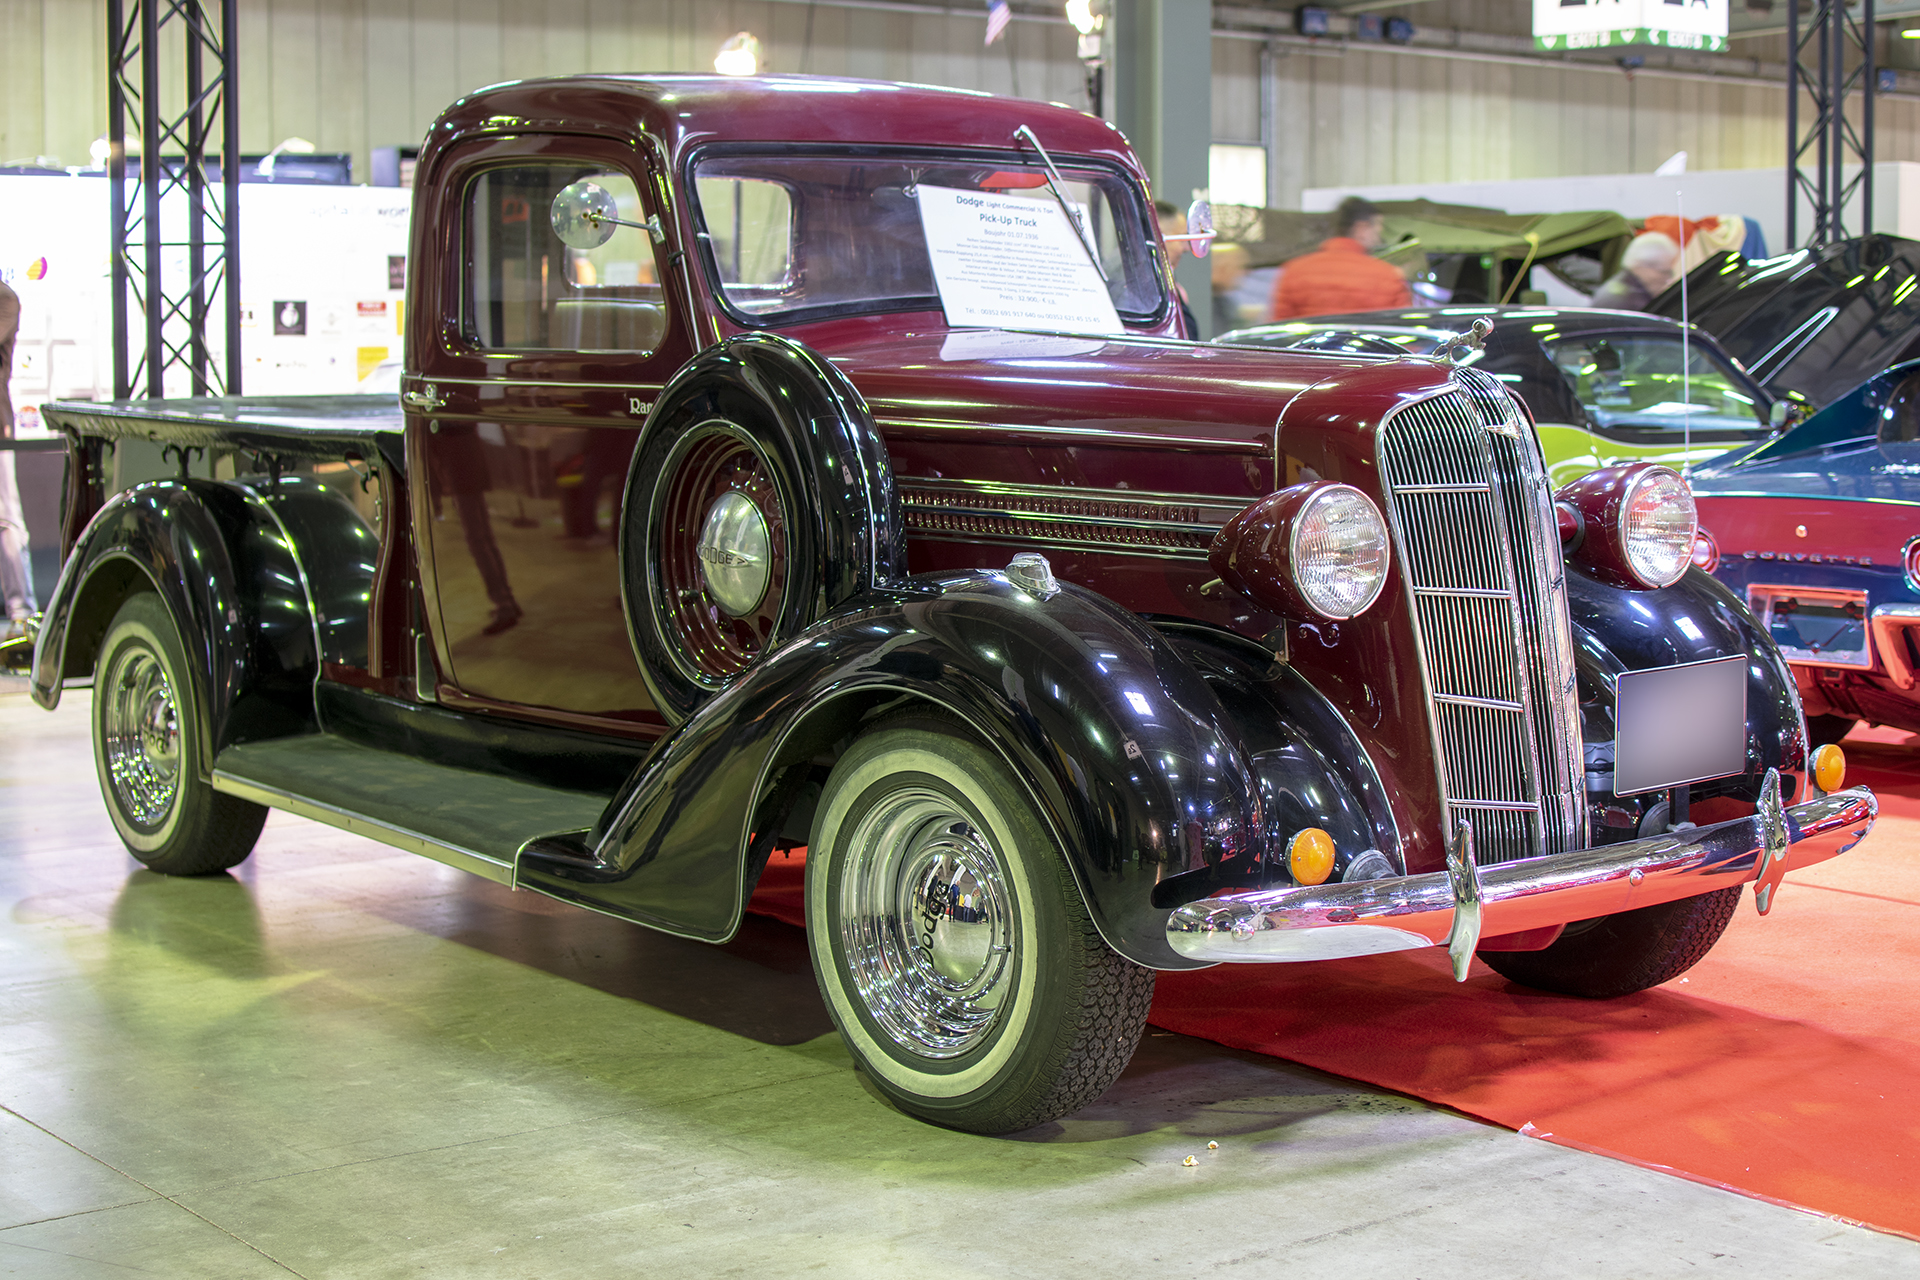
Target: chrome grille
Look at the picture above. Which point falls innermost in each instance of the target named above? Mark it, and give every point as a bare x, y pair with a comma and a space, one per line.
1479, 551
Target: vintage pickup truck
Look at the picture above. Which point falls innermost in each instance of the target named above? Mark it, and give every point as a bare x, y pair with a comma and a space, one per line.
713, 520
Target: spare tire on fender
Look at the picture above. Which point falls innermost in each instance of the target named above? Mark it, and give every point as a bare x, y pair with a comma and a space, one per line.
760, 498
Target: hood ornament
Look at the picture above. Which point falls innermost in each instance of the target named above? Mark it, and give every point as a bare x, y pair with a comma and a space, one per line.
1459, 348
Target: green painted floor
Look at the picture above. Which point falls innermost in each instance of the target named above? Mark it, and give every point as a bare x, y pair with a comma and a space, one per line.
347, 1061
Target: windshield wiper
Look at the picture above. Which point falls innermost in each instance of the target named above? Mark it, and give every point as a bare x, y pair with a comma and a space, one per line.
1053, 184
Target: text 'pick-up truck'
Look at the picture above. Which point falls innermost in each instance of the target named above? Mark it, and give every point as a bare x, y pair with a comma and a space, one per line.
798, 461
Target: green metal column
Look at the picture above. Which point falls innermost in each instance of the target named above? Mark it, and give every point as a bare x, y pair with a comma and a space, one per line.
1161, 69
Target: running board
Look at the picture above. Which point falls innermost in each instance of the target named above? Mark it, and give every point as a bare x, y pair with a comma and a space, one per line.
466, 819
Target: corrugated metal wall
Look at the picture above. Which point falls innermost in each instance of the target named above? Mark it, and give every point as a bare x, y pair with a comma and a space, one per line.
354, 74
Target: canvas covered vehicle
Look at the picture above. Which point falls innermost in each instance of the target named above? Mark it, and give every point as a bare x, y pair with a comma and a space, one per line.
806, 462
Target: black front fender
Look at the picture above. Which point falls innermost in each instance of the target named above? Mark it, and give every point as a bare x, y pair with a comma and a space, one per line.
1130, 759
1696, 619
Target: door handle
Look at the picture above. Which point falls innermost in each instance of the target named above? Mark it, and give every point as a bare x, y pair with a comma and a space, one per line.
429, 399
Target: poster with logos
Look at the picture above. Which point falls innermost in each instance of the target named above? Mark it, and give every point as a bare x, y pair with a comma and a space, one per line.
322, 276
1699, 25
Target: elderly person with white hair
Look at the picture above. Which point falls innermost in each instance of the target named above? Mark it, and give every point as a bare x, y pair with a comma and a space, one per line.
1650, 264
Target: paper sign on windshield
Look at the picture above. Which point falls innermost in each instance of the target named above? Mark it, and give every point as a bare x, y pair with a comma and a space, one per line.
1012, 262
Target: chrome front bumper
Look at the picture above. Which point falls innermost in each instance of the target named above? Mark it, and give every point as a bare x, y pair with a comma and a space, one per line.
1458, 907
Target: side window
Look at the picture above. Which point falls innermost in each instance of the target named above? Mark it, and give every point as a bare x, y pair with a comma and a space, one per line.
527, 291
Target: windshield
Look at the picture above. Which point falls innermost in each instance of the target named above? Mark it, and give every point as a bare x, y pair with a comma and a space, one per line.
1632, 389
792, 237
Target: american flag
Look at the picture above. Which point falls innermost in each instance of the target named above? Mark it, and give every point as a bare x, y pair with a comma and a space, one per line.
999, 14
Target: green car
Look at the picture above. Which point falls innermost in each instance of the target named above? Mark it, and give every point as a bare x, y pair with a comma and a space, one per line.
1604, 386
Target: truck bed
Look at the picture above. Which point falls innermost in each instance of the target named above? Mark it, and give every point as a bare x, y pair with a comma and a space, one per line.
278, 424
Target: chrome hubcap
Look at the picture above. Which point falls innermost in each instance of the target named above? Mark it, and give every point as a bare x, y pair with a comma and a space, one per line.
140, 724
734, 553
928, 924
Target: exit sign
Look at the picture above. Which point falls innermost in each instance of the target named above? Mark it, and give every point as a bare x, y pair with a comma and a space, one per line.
1596, 24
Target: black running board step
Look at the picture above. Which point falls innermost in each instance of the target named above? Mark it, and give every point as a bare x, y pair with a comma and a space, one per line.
471, 820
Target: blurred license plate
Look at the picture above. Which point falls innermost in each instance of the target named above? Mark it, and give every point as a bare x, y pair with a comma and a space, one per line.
1679, 724
1815, 624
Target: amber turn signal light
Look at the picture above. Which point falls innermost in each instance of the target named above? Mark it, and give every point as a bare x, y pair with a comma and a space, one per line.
1310, 856
1829, 768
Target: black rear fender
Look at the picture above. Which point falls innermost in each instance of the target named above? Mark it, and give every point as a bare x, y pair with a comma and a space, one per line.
229, 578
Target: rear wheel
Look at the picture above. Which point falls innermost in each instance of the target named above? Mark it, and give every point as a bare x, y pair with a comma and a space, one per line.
146, 740
951, 943
1629, 951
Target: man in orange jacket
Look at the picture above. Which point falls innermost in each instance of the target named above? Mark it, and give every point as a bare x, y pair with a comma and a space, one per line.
1342, 274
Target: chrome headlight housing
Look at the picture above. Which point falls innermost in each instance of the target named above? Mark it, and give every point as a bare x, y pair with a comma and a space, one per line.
1338, 550
1314, 549
1637, 524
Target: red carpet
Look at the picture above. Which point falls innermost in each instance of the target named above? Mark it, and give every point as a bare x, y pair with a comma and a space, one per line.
1786, 1065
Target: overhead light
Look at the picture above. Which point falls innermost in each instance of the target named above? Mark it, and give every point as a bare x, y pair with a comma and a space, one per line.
1911, 33
1087, 16
287, 147
739, 56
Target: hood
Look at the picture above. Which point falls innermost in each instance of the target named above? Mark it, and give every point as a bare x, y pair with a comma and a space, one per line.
1121, 392
1816, 321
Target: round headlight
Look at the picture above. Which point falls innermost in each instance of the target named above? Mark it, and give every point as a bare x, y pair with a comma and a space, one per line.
1636, 524
1338, 551
1316, 548
1657, 524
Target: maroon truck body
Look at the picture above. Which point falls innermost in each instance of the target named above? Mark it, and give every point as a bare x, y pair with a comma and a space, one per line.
729, 541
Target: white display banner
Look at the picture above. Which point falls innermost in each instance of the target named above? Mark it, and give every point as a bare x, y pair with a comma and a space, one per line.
321, 287
1595, 24
1012, 262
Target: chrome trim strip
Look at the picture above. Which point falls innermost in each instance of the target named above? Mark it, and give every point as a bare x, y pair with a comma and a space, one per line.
625, 388
1491, 704
1461, 593
1054, 517
398, 837
1126, 521
1226, 507
1403, 913
1086, 435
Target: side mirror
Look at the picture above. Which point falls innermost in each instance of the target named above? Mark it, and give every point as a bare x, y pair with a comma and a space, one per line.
1785, 413
1605, 358
1200, 227
584, 215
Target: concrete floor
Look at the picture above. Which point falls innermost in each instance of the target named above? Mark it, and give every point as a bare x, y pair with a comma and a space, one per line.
348, 1061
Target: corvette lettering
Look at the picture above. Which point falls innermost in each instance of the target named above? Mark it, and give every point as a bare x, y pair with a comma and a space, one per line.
1805, 557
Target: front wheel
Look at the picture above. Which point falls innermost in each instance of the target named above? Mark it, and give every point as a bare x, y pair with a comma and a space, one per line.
146, 740
951, 943
1626, 952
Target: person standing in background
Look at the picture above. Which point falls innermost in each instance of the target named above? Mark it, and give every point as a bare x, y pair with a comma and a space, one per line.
1230, 264
16, 584
1649, 265
1342, 274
